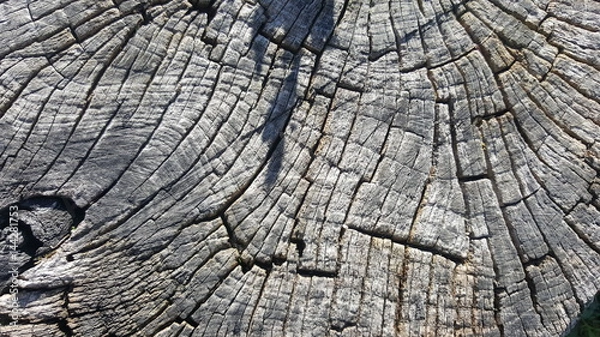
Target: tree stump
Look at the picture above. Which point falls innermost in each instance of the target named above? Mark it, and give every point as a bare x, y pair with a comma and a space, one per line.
299, 167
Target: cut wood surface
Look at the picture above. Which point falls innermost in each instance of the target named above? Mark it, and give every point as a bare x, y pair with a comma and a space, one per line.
299, 167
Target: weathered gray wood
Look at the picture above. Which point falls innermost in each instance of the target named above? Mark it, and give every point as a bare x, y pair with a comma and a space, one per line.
299, 167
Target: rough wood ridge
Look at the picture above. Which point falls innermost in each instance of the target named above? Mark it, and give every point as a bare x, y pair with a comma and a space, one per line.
300, 167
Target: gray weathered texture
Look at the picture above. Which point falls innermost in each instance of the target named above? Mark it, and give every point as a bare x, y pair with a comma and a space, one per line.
301, 167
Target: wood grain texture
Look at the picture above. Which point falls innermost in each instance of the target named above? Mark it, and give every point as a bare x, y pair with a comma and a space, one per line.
300, 167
